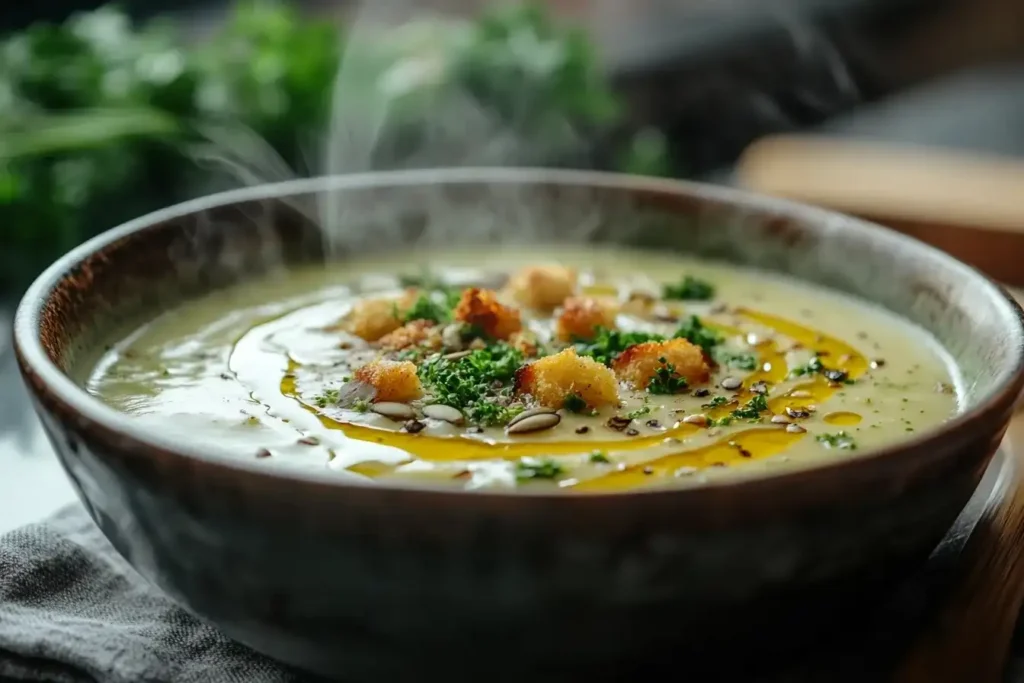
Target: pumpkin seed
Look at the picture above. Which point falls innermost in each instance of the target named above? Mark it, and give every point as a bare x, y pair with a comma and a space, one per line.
444, 413
731, 383
399, 412
530, 413
534, 423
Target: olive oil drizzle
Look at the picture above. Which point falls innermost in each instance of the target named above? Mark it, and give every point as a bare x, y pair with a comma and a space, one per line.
754, 443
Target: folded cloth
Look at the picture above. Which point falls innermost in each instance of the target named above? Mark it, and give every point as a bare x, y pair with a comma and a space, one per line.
73, 611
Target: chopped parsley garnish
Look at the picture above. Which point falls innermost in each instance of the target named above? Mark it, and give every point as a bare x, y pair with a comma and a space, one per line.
492, 414
666, 380
753, 409
813, 366
574, 403
840, 440
722, 421
690, 289
739, 361
599, 457
362, 405
638, 413
537, 468
475, 384
608, 344
329, 397
716, 401
694, 331
427, 308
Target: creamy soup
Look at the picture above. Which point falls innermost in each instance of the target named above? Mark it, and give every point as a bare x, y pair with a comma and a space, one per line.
584, 371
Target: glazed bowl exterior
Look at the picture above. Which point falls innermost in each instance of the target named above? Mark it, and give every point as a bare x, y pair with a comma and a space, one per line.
379, 582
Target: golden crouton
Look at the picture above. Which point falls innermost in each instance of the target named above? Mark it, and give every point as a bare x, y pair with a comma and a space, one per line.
551, 379
394, 380
543, 287
638, 364
581, 316
371, 319
481, 308
423, 333
524, 342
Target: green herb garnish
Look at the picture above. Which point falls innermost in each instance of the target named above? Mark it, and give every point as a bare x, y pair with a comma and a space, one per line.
638, 413
329, 397
740, 361
753, 409
695, 332
666, 380
840, 440
537, 468
574, 403
608, 344
492, 414
690, 289
717, 401
362, 405
599, 457
475, 384
812, 367
427, 308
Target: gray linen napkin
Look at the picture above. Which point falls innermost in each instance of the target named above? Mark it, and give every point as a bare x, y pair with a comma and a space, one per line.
73, 611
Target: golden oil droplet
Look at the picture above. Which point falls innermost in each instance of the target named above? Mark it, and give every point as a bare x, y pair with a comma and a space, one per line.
843, 418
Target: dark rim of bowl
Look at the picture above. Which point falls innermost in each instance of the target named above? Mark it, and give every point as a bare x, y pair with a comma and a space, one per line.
93, 413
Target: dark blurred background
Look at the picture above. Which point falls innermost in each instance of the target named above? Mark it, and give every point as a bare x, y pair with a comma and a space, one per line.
697, 81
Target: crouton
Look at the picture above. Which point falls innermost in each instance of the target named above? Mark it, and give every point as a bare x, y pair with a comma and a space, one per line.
371, 319
481, 309
394, 380
551, 379
581, 316
423, 333
542, 287
524, 342
639, 363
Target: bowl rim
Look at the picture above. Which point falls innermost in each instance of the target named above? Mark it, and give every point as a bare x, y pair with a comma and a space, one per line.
91, 413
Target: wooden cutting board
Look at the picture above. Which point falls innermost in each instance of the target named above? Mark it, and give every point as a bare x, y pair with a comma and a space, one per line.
970, 206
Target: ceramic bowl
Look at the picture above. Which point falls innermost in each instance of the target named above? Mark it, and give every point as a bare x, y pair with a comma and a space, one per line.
371, 583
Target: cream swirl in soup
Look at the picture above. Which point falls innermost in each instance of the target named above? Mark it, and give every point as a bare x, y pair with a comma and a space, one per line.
577, 371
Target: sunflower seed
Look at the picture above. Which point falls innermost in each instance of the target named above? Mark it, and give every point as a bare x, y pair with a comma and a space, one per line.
534, 423
699, 420
618, 422
780, 420
800, 393
530, 413
444, 413
354, 392
731, 383
458, 355
414, 426
399, 412
795, 429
